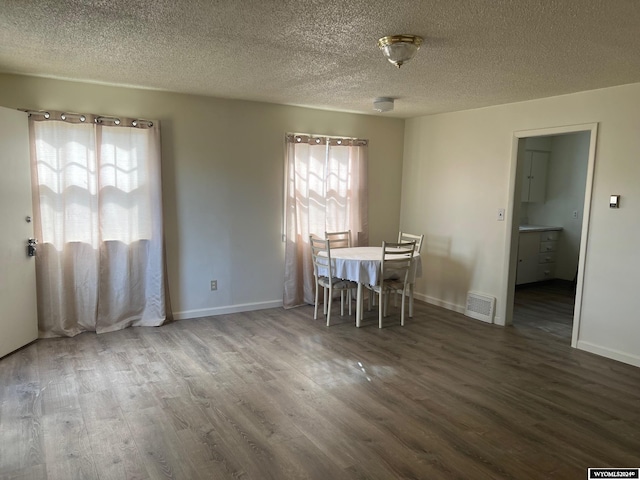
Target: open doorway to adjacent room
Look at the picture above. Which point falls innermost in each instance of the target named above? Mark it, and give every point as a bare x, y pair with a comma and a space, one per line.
552, 195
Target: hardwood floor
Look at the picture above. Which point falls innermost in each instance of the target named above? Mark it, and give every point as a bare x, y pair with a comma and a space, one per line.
547, 306
276, 395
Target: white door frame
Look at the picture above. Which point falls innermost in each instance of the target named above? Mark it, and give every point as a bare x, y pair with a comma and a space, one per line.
511, 241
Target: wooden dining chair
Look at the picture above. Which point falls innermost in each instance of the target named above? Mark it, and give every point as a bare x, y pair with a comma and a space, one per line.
408, 237
324, 278
394, 275
339, 239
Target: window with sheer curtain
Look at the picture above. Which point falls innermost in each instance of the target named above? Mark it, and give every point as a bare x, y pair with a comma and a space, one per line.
98, 215
325, 190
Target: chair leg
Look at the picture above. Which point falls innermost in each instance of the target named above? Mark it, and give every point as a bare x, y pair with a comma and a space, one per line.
386, 302
411, 300
380, 309
324, 301
329, 307
342, 303
315, 310
402, 308
359, 304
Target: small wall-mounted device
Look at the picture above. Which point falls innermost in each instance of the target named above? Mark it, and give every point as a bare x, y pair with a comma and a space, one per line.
614, 201
31, 247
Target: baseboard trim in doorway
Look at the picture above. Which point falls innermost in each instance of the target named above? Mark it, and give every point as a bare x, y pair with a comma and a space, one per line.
609, 353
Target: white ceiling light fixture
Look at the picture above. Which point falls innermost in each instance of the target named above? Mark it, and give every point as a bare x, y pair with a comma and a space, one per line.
383, 104
399, 49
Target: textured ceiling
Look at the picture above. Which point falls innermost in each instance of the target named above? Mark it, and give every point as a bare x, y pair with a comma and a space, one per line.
323, 53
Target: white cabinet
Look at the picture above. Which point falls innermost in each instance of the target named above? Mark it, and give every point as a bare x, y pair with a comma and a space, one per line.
534, 176
528, 248
536, 256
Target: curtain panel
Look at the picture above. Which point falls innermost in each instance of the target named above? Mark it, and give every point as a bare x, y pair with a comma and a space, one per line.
325, 190
98, 218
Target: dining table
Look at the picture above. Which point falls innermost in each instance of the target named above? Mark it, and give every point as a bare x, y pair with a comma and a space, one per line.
362, 265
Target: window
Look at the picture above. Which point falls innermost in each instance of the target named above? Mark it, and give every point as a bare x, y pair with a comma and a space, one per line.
325, 190
98, 215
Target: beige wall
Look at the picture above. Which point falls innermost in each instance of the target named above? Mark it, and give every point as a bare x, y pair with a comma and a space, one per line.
457, 171
223, 176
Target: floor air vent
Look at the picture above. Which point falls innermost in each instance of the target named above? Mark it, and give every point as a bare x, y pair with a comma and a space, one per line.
480, 307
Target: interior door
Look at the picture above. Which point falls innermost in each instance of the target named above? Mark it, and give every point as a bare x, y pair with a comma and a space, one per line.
18, 315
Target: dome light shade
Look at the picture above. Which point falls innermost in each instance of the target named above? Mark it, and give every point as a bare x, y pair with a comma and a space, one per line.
399, 49
383, 104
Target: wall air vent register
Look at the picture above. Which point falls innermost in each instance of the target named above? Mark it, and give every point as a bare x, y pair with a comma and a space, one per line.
480, 307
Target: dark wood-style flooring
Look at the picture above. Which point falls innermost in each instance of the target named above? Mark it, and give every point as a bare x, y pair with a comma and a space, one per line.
276, 395
547, 306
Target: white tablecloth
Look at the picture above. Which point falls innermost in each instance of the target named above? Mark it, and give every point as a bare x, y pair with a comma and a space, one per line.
362, 264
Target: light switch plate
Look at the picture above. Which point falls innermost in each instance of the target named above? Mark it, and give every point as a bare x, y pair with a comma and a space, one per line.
614, 201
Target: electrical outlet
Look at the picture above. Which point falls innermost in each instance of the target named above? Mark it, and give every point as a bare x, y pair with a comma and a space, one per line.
575, 214
501, 214
214, 285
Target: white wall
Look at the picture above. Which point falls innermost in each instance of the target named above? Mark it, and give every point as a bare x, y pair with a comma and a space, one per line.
456, 175
223, 169
566, 181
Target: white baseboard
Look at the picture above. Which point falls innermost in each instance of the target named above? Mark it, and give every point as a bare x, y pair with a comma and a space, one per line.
244, 307
451, 306
609, 353
439, 303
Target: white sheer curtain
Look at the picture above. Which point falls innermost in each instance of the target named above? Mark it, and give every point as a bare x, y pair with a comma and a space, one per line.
98, 219
326, 190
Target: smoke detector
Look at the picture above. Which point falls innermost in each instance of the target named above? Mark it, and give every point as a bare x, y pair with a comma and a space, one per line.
383, 104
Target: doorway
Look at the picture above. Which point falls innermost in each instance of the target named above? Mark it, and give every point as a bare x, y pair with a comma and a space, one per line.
549, 233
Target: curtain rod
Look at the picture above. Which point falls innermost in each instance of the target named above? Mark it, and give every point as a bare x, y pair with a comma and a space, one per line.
321, 139
314, 135
139, 122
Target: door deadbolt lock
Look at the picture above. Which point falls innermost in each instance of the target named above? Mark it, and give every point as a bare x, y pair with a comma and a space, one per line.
31, 247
